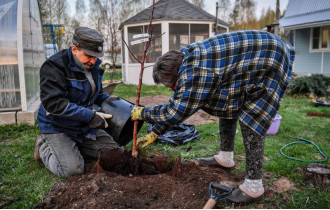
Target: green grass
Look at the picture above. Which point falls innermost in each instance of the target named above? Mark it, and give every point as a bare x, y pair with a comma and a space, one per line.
128, 91
22, 181
25, 181
112, 75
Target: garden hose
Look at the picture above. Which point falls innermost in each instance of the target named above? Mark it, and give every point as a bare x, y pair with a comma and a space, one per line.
304, 141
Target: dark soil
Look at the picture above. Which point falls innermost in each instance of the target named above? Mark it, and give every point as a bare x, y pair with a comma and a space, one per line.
188, 189
119, 181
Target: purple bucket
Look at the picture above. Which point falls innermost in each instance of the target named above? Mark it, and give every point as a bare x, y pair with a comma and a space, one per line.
273, 129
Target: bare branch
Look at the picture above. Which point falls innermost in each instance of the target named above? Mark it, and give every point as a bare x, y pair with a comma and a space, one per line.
153, 38
148, 66
150, 50
130, 51
149, 41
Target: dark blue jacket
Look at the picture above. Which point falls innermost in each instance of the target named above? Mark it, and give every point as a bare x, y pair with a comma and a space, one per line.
65, 93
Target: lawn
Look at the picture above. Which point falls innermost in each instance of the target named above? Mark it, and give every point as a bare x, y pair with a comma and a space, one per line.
110, 75
23, 182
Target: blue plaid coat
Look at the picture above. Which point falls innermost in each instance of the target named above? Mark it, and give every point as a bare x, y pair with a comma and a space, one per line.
242, 73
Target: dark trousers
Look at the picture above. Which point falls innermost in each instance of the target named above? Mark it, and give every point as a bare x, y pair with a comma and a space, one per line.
254, 145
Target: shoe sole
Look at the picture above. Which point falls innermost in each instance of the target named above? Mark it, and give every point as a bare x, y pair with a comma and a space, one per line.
215, 164
36, 154
242, 195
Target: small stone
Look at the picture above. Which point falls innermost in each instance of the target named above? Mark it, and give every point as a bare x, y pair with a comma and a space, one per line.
266, 159
260, 206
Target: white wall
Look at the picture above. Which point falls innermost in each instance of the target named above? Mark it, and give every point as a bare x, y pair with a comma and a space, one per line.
133, 74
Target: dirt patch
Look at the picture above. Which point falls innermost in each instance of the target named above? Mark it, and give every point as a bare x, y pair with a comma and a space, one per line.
188, 189
282, 185
200, 117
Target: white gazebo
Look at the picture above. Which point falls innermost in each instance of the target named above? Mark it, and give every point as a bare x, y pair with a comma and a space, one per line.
182, 22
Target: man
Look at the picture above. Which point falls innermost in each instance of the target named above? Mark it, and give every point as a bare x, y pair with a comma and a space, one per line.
237, 76
70, 83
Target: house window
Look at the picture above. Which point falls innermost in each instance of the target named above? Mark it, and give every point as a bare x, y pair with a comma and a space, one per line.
137, 47
316, 38
198, 32
221, 30
325, 37
181, 35
320, 39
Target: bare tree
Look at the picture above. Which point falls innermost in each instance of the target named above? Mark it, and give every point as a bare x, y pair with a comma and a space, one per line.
243, 15
104, 14
129, 8
81, 11
56, 12
112, 33
61, 14
198, 3
251, 21
224, 9
234, 16
267, 17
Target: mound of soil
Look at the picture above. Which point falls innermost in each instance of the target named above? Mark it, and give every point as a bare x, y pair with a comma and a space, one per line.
117, 180
188, 189
200, 117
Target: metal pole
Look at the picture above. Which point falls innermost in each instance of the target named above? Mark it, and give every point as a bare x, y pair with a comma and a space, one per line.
53, 38
277, 17
216, 16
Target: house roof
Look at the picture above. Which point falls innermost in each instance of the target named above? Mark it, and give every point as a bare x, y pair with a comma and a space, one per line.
173, 10
306, 12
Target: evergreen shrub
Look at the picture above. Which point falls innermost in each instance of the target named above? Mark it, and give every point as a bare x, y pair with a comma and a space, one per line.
316, 84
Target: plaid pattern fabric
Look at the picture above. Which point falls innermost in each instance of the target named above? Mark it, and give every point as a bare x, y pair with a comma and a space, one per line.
242, 73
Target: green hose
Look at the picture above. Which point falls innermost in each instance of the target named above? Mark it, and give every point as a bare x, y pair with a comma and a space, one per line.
304, 141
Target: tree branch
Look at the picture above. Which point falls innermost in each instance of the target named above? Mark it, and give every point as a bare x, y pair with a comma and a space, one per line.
130, 51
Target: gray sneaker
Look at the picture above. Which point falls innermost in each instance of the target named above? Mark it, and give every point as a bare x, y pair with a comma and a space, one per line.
37, 147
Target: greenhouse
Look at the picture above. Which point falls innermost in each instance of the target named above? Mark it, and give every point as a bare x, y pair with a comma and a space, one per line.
21, 55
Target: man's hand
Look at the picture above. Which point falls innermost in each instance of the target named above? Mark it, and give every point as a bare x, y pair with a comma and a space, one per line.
136, 113
148, 139
99, 120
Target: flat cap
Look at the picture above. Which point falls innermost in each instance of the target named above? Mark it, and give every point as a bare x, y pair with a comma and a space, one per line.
89, 40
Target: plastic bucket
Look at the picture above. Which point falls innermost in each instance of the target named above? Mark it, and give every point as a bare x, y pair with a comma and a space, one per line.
120, 125
273, 129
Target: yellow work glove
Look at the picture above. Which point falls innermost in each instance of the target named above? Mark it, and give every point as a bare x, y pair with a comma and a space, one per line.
136, 113
148, 139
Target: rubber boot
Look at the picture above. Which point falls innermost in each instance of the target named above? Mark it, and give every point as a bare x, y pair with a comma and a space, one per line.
213, 161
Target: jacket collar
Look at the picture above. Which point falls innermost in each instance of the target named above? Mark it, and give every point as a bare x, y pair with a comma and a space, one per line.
72, 64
